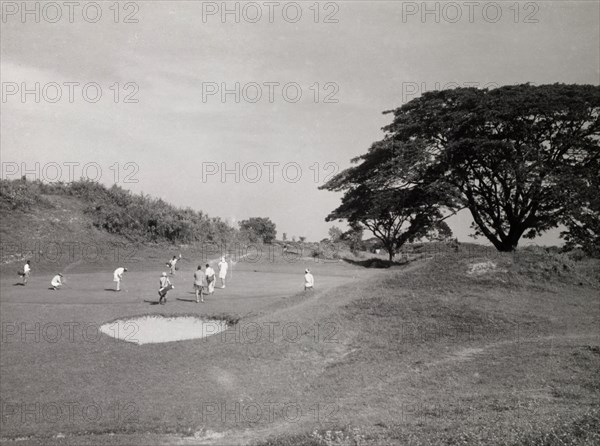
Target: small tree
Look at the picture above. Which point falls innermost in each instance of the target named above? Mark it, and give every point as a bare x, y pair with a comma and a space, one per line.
302, 239
284, 237
354, 237
259, 229
335, 234
394, 216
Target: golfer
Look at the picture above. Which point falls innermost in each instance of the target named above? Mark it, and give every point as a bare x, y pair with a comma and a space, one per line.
172, 264
26, 272
164, 286
198, 284
56, 282
118, 276
309, 280
223, 271
210, 278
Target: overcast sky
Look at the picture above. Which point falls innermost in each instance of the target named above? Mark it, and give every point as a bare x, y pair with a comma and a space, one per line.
349, 60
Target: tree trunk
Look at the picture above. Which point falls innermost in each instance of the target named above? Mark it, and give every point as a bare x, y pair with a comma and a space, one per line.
506, 247
510, 243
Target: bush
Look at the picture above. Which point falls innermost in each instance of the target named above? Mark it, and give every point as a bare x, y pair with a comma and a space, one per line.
327, 251
577, 254
20, 194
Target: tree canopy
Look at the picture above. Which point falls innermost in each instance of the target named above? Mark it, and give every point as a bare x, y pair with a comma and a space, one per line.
522, 159
583, 219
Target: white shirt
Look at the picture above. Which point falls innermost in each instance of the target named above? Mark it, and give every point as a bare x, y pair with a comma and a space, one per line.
223, 269
209, 272
26, 268
119, 272
309, 280
56, 281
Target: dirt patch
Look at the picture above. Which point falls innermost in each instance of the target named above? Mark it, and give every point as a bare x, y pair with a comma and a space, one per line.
477, 269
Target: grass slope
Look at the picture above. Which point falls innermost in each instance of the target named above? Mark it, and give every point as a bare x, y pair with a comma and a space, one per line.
54, 235
442, 357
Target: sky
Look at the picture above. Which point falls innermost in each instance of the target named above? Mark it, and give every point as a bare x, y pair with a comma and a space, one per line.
243, 109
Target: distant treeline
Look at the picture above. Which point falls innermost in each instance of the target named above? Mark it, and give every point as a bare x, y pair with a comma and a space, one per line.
139, 218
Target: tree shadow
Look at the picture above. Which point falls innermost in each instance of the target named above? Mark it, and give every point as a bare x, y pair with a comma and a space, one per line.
374, 263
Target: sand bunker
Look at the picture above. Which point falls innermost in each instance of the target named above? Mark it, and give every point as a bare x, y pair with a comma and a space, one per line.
156, 329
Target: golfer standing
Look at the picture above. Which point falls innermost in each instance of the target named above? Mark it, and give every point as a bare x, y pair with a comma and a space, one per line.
198, 284
26, 272
210, 278
164, 286
118, 276
309, 280
223, 271
173, 264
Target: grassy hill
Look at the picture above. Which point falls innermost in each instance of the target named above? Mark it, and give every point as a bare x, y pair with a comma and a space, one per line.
53, 235
57, 225
464, 348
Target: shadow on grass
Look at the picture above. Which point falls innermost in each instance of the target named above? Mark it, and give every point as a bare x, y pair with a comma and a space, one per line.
110, 289
151, 302
18, 284
374, 263
185, 300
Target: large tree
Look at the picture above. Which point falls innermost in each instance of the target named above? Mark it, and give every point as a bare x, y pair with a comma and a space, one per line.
510, 155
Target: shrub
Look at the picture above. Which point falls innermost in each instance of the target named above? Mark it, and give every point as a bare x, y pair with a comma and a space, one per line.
20, 194
577, 254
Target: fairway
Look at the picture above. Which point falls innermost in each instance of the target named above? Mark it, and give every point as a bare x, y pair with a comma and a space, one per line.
52, 346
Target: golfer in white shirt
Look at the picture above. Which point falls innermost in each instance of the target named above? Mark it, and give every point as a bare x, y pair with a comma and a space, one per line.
309, 280
223, 271
26, 271
56, 282
210, 278
118, 276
